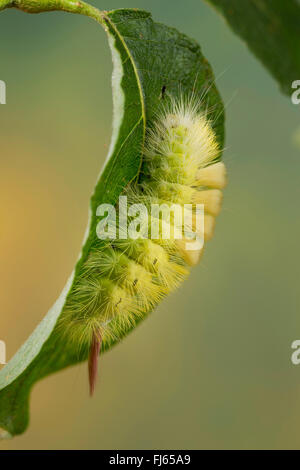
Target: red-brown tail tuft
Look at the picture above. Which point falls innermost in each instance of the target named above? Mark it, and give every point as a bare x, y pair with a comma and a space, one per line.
93, 360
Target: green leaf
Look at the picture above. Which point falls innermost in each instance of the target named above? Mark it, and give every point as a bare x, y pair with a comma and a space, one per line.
271, 28
148, 58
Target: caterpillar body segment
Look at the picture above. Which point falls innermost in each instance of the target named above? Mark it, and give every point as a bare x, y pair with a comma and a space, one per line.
128, 276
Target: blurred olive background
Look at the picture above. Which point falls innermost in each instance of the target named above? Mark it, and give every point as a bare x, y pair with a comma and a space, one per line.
211, 367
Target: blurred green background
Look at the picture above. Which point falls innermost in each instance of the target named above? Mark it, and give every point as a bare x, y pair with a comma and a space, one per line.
211, 367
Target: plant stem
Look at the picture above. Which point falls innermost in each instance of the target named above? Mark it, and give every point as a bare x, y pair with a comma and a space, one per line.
39, 6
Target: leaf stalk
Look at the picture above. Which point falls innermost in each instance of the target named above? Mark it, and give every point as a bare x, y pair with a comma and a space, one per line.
40, 6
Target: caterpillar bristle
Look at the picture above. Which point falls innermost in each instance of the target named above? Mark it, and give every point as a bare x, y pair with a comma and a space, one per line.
93, 360
125, 277
192, 256
209, 226
211, 198
213, 176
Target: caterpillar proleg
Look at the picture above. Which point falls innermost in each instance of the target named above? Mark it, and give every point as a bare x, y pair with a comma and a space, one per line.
128, 276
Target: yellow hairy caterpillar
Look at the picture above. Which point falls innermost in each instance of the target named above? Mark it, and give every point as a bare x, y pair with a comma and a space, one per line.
129, 274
